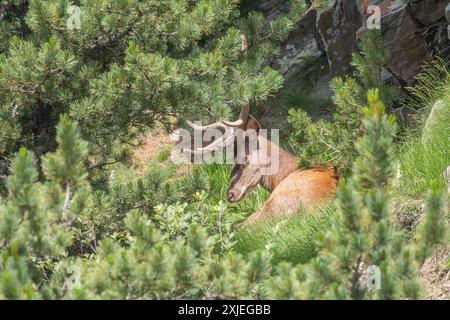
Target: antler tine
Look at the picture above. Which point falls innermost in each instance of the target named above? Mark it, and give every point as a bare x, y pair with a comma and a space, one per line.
227, 138
243, 116
218, 124
222, 142
234, 124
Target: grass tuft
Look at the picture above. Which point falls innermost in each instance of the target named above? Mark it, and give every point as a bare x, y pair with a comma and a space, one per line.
425, 152
290, 239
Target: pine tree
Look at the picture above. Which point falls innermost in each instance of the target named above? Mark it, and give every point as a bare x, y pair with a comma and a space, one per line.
155, 266
333, 140
362, 237
35, 219
124, 65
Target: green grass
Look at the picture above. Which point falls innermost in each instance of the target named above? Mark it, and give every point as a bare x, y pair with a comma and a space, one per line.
163, 154
294, 239
291, 239
432, 84
422, 164
425, 154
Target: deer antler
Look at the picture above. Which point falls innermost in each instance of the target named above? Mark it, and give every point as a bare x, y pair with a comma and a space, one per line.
228, 136
218, 124
224, 141
224, 123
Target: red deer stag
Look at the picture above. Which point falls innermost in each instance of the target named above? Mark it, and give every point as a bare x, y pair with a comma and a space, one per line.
291, 187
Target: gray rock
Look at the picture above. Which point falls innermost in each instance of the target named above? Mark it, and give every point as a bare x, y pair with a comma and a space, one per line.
337, 27
430, 15
411, 29
428, 12
406, 48
433, 119
405, 45
302, 45
447, 12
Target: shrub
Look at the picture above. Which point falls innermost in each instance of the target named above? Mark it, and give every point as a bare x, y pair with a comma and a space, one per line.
36, 217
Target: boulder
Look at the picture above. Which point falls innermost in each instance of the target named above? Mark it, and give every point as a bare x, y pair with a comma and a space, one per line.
436, 116
406, 47
447, 12
431, 16
303, 44
427, 12
411, 31
337, 27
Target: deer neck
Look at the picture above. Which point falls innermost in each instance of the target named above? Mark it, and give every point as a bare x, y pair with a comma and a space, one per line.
287, 164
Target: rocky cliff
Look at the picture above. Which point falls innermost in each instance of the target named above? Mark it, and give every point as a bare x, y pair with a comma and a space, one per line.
412, 30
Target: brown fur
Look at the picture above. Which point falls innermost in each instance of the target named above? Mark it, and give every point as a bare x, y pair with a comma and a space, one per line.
292, 188
303, 188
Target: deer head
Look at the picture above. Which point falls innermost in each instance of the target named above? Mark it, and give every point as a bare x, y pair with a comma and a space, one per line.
251, 156
248, 163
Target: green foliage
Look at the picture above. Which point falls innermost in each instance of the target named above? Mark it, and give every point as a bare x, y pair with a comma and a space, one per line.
424, 151
362, 234
434, 229
36, 216
333, 140
162, 235
369, 63
146, 193
158, 265
290, 240
12, 21
128, 65
191, 250
373, 168
432, 84
30, 82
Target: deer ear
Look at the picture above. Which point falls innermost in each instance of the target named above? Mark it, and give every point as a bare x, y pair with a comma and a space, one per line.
252, 123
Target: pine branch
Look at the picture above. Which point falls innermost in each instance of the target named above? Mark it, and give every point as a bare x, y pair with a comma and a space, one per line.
107, 40
67, 198
355, 278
